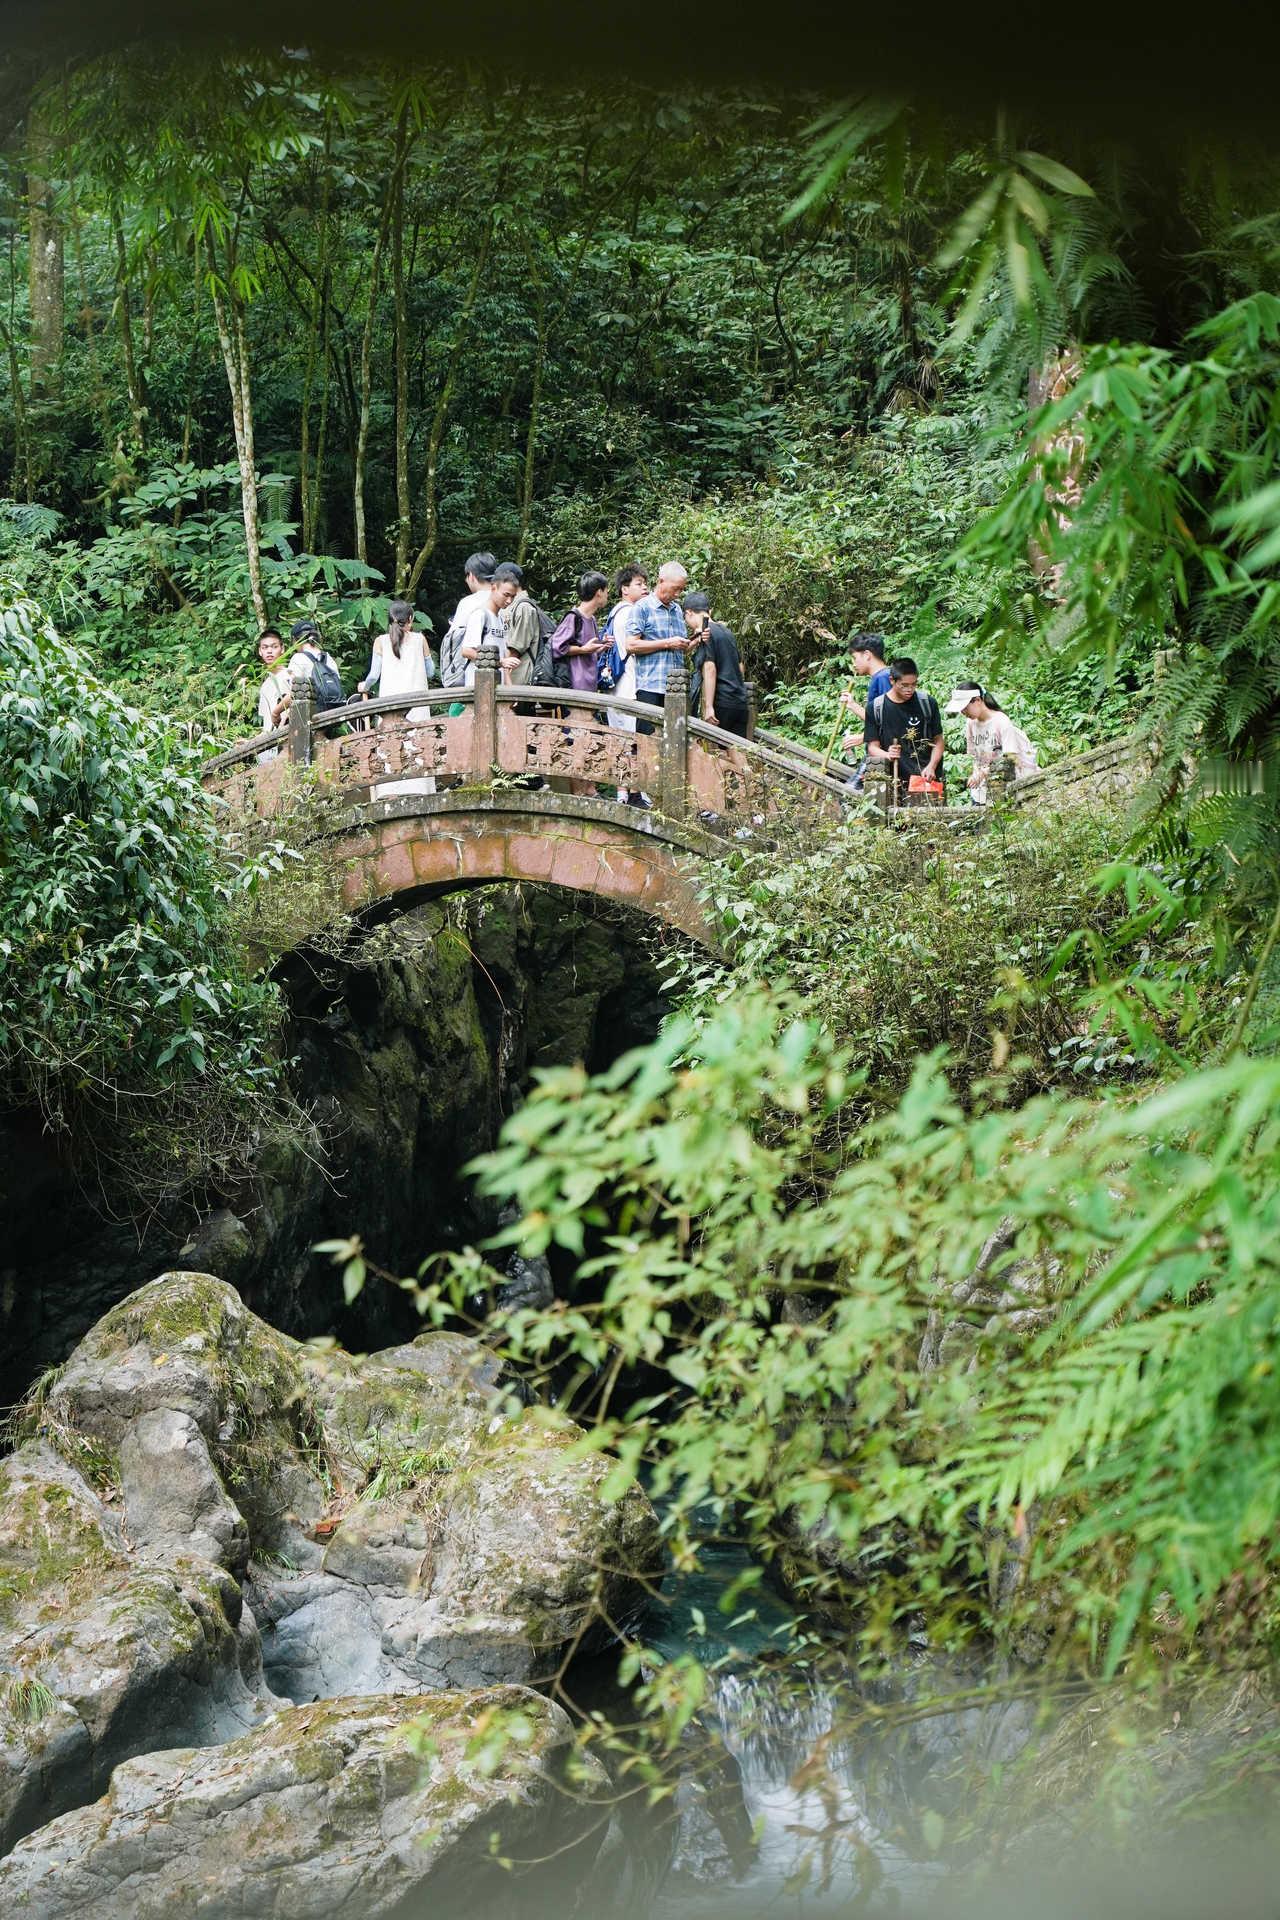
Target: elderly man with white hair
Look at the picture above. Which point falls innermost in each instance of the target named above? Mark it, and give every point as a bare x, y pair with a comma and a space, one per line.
657, 637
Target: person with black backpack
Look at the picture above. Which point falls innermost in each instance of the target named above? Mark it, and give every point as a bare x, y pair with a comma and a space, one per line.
525, 624
312, 663
904, 729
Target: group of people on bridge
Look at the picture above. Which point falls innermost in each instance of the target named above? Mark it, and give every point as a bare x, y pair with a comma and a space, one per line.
630, 652
902, 737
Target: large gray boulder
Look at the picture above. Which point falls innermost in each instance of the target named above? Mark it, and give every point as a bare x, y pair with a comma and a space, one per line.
350, 1806
105, 1650
208, 1518
468, 1538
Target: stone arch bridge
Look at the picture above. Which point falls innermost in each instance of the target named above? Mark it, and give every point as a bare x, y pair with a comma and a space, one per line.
453, 788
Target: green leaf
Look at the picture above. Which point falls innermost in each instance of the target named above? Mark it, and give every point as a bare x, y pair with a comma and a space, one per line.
1054, 174
974, 222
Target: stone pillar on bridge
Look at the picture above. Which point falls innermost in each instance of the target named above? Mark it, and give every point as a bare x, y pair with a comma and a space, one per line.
301, 713
674, 760
753, 707
484, 718
878, 784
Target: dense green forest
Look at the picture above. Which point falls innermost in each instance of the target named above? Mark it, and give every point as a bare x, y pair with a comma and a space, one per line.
282, 337
438, 311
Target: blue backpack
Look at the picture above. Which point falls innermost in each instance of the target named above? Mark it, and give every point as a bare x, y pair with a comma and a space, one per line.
612, 664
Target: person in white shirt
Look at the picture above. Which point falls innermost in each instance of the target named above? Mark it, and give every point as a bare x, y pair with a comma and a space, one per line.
401, 663
276, 689
479, 570
631, 584
481, 625
989, 735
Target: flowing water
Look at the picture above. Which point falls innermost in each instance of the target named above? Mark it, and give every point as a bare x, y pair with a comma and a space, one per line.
815, 1823
795, 1803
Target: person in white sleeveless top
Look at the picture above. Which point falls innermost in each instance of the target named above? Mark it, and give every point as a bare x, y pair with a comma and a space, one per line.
401, 663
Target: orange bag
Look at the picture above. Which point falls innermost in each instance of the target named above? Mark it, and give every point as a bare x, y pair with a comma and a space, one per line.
919, 784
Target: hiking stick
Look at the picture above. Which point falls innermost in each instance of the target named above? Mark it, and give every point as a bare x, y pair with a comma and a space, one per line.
840, 721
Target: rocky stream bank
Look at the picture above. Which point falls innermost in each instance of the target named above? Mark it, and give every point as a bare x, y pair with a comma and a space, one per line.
242, 1579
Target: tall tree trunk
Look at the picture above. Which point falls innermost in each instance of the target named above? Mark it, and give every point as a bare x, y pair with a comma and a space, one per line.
46, 268
317, 475
401, 322
137, 398
21, 441
394, 198
304, 440
188, 417
229, 318
101, 398
531, 436
310, 479
366, 385
439, 420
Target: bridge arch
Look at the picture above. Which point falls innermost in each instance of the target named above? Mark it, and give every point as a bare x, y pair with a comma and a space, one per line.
491, 772
417, 847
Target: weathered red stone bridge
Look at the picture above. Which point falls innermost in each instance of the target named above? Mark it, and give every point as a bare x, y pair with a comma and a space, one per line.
454, 787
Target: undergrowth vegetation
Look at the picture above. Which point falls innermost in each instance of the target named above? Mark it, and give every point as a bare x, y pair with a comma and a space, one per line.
128, 1014
902, 942
1084, 1454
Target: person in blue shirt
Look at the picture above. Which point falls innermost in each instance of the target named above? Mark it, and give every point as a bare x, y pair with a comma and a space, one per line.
868, 657
657, 638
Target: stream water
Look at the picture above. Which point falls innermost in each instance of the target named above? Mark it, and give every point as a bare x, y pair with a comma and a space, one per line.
772, 1722
803, 1819
797, 1816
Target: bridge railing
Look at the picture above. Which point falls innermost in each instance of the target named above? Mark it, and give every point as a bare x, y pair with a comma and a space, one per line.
376, 753
490, 735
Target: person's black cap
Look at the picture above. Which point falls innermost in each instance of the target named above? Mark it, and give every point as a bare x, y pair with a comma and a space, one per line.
304, 630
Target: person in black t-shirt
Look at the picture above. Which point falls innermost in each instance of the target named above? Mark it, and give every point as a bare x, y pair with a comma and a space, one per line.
717, 671
904, 727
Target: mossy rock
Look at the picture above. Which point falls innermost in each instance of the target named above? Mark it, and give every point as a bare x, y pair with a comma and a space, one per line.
527, 1531
119, 1655
402, 1520
53, 1528
187, 1343
345, 1806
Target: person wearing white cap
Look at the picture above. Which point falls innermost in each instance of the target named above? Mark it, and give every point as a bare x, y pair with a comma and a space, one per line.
989, 735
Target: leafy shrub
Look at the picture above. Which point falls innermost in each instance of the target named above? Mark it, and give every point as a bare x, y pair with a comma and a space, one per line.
160, 598
126, 1012
1177, 532
774, 1291
901, 942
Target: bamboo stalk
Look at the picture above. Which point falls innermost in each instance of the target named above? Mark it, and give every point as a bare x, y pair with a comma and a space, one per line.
840, 720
